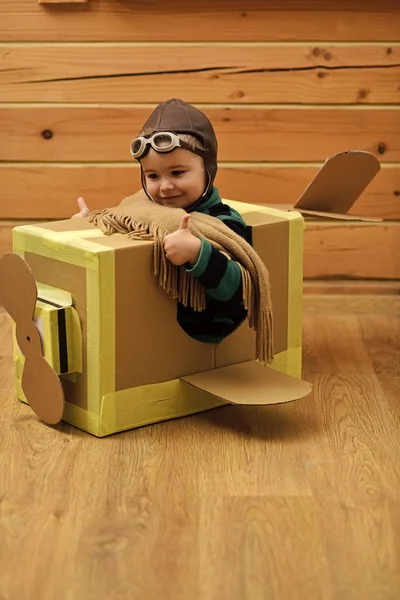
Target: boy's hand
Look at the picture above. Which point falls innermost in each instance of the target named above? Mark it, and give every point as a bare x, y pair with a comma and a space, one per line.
83, 209
182, 246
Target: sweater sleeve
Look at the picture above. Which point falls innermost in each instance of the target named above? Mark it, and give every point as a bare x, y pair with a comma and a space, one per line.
220, 276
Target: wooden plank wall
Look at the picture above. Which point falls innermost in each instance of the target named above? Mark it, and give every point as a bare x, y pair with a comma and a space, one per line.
285, 83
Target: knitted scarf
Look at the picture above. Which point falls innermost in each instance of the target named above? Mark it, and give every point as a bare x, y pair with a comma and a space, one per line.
142, 219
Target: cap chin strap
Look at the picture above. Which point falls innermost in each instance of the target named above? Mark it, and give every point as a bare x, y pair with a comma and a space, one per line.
205, 195
142, 178
209, 184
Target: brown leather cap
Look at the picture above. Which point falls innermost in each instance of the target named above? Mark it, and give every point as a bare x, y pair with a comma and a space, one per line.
178, 116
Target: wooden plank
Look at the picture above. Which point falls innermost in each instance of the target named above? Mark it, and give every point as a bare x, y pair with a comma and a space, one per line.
330, 250
234, 73
42, 191
61, 1
179, 20
358, 251
367, 306
81, 133
321, 287
6, 228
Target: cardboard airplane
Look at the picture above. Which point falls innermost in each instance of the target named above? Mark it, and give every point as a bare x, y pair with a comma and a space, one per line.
96, 340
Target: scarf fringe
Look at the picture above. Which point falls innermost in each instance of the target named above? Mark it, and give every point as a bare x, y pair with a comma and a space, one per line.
174, 281
188, 290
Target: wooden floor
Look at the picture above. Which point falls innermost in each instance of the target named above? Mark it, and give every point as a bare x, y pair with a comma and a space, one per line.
300, 501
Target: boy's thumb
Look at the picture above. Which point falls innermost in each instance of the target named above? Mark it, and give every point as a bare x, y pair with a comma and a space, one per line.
83, 207
184, 224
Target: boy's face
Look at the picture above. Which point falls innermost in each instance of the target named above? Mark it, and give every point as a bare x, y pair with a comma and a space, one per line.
175, 179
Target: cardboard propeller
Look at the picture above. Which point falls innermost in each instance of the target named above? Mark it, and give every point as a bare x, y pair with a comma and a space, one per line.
18, 295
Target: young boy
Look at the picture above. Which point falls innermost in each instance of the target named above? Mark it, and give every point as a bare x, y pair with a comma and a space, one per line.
177, 152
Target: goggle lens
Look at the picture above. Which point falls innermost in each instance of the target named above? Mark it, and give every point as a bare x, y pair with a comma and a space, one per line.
136, 146
162, 140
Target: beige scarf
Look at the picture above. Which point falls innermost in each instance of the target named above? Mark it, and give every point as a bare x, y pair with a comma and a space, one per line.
142, 219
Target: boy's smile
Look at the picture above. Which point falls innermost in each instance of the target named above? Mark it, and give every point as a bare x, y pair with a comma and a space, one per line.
176, 178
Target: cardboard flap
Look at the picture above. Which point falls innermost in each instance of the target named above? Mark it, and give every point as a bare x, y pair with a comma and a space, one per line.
331, 215
319, 214
250, 383
52, 295
339, 182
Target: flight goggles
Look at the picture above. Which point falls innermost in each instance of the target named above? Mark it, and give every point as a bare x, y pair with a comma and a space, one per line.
163, 141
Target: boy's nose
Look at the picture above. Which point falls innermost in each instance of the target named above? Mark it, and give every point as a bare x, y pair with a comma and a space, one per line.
166, 185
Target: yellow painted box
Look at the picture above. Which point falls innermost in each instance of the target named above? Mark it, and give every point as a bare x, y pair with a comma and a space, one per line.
129, 352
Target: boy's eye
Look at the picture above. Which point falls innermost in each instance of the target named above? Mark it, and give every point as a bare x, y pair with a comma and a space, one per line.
177, 173
152, 176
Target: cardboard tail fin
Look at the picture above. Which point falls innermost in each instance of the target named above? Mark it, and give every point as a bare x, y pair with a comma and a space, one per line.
335, 188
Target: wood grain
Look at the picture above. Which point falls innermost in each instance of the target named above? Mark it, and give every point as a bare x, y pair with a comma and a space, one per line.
296, 501
179, 20
6, 228
42, 191
347, 396
357, 287
255, 560
233, 73
5, 336
61, 1
375, 305
364, 251
80, 133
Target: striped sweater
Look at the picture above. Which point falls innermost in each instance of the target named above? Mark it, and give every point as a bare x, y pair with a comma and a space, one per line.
221, 278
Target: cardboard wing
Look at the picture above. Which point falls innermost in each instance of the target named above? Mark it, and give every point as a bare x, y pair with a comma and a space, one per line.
250, 383
337, 185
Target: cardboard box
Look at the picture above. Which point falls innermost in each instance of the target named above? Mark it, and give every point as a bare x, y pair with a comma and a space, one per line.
133, 364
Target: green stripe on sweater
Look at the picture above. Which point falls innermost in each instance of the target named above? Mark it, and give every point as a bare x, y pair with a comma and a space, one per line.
229, 283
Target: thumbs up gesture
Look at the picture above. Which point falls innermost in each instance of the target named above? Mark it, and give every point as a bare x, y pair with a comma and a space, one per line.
182, 246
83, 209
